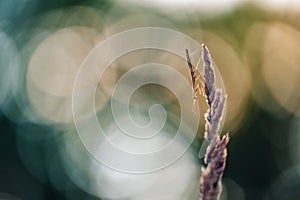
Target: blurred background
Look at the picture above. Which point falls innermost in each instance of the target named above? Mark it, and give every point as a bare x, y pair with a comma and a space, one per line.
254, 44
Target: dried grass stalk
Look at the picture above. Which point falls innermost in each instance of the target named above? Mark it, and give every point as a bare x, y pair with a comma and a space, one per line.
215, 157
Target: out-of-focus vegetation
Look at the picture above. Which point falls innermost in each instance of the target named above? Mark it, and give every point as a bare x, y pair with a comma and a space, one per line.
43, 43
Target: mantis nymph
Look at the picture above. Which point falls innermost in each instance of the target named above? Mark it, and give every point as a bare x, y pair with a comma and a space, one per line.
197, 80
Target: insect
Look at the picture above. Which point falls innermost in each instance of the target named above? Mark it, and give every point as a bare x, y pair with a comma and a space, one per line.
197, 81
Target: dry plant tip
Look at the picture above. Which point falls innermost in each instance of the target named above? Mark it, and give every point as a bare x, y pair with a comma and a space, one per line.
216, 152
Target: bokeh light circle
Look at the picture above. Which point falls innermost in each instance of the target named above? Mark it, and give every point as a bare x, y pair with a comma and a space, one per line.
92, 69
